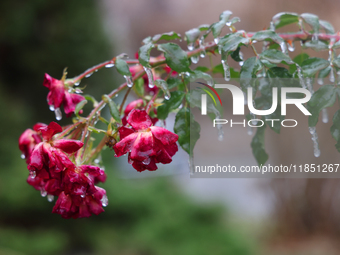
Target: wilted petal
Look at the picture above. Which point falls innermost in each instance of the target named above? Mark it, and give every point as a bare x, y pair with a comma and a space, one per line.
67, 145
142, 147
124, 132
141, 166
164, 135
125, 145
139, 119
70, 102
37, 159
50, 130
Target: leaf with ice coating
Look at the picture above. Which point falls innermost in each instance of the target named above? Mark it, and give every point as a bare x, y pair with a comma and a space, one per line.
312, 20
217, 27
139, 87
336, 62
285, 18
166, 36
276, 56
267, 35
122, 67
171, 104
232, 42
298, 60
250, 67
312, 65
327, 26
324, 72
257, 144
235, 55
187, 129
324, 97
318, 45
144, 54
335, 129
175, 57
192, 35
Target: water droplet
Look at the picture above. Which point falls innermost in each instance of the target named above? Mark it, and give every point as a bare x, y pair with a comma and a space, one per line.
301, 79
283, 47
109, 65
58, 114
104, 201
241, 57
51, 107
201, 42
220, 131
77, 83
291, 46
320, 81
96, 161
43, 192
148, 72
309, 85
228, 23
249, 130
88, 75
82, 195
129, 81
50, 198
194, 59
216, 40
226, 70
325, 118
331, 76
191, 46
315, 38
96, 70
23, 156
146, 161
33, 174
203, 54
272, 26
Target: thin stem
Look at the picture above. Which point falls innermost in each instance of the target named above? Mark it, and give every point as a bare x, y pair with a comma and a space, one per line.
149, 106
124, 99
99, 147
68, 129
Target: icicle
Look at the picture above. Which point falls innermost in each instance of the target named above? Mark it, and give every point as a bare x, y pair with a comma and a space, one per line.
301, 79
320, 81
253, 118
309, 85
312, 131
265, 46
109, 65
203, 53
50, 198
88, 75
51, 107
245, 98
194, 59
324, 115
272, 26
249, 130
315, 38
43, 192
104, 201
226, 70
216, 40
291, 46
129, 81
191, 164
219, 129
58, 114
166, 91
283, 47
150, 77
241, 57
331, 76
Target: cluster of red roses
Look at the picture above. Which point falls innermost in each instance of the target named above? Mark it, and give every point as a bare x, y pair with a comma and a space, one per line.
54, 174
51, 159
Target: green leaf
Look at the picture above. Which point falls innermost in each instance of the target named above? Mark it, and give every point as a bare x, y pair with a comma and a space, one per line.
298, 60
318, 45
267, 34
166, 36
175, 57
122, 67
312, 20
322, 98
250, 67
144, 54
278, 72
219, 69
147, 40
201, 75
168, 105
79, 106
204, 27
202, 69
232, 42
324, 72
217, 27
285, 18
276, 56
187, 129
335, 129
312, 65
138, 88
235, 55
113, 108
234, 20
173, 82
92, 99
257, 144
336, 61
327, 26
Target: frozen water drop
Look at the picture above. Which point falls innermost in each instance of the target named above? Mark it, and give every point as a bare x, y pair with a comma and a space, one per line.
77, 83
50, 198
241, 57
312, 130
216, 40
228, 23
51, 107
129, 81
317, 152
33, 174
291, 46
226, 70
82, 195
283, 47
249, 130
325, 118
58, 114
309, 85
194, 59
43, 192
88, 75
104, 201
96, 161
315, 38
331, 76
146, 161
109, 65
191, 46
23, 156
148, 72
272, 26
320, 81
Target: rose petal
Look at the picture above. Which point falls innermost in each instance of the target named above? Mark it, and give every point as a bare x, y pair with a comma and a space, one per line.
67, 145
50, 130
142, 147
125, 145
139, 119
124, 132
140, 166
164, 135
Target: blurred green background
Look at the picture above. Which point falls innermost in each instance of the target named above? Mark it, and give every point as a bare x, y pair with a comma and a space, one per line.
147, 216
